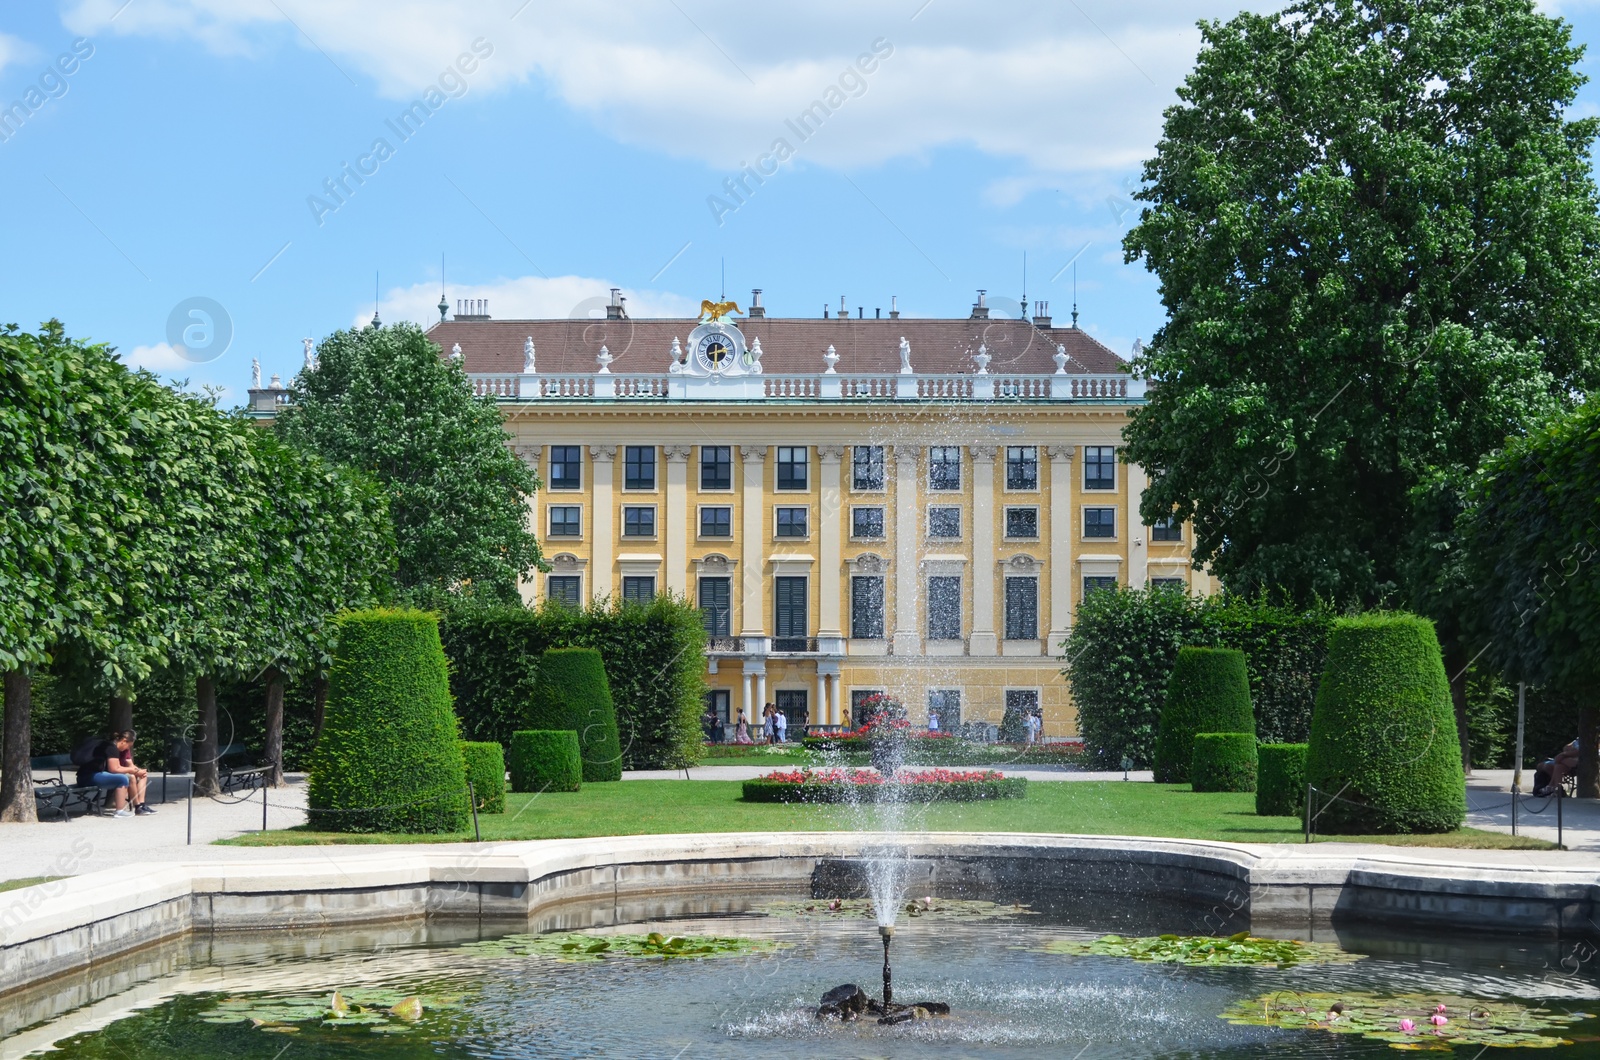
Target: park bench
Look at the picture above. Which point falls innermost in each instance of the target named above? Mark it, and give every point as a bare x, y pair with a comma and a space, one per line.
61, 796
241, 776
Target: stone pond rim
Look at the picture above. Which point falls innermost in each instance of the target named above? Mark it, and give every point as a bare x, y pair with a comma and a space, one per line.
50, 930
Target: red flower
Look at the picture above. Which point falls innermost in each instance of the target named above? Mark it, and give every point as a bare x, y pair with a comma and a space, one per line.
873, 777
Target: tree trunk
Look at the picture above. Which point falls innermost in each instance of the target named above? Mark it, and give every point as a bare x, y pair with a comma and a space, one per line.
1456, 664
121, 713
274, 738
16, 773
205, 749
319, 691
1588, 753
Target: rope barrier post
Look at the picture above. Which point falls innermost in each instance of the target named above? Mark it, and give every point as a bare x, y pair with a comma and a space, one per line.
189, 841
1309, 790
472, 801
1513, 808
1561, 796
263, 804
1522, 702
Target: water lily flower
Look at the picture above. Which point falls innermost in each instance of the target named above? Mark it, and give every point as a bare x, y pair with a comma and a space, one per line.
1440, 1008
1407, 1026
1438, 1019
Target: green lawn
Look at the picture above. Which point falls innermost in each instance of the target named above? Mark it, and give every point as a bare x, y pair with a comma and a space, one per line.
27, 881
644, 807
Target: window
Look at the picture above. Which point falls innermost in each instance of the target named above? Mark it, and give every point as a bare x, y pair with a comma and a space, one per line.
866, 467
1094, 583
716, 522
866, 608
1022, 467
639, 467
1099, 467
639, 521
945, 704
791, 522
1022, 608
789, 614
566, 520
944, 608
792, 467
1020, 703
638, 590
715, 607
716, 467
1099, 522
792, 704
1168, 583
719, 701
866, 523
565, 588
944, 467
566, 467
1168, 529
860, 711
1022, 522
944, 522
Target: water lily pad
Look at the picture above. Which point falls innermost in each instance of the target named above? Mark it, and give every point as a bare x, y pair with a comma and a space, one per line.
376, 1009
1463, 1021
927, 907
575, 947
1202, 950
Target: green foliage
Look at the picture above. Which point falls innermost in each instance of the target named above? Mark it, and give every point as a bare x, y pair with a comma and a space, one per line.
1205, 951
389, 759
1224, 761
654, 661
1375, 229
486, 769
1124, 643
1469, 1020
1281, 780
1014, 725
1207, 692
571, 692
563, 946
546, 760
383, 1010
386, 402
1383, 738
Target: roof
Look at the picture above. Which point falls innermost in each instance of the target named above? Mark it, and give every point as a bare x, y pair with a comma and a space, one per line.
788, 345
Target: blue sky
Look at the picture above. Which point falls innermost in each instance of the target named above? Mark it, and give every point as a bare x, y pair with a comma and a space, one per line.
568, 148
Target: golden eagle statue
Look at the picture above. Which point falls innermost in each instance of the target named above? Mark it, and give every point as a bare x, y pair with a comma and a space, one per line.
711, 312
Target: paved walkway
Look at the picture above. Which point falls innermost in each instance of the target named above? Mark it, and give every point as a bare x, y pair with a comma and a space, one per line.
1489, 807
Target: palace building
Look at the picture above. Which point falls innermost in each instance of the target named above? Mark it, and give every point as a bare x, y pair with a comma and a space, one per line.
858, 505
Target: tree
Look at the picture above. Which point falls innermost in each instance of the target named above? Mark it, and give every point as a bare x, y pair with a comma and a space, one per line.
1376, 235
385, 402
1532, 538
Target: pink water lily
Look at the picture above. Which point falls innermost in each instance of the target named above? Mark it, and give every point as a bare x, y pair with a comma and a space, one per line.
1407, 1026
1438, 1019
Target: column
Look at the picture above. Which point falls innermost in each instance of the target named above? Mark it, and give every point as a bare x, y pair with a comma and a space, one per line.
1060, 569
746, 679
984, 557
603, 459
835, 699
532, 588
907, 639
830, 575
754, 533
761, 695
676, 526
819, 706
1138, 533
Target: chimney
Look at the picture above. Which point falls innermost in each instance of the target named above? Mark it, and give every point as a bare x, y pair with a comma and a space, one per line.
861, 313
824, 310
614, 310
844, 310
1041, 314
877, 313
894, 307
756, 308
472, 309
980, 309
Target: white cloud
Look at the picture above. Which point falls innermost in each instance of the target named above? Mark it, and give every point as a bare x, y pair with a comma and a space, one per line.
13, 50
527, 297
715, 80
160, 358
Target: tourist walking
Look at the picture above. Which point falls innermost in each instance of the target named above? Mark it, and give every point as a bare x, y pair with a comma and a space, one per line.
780, 725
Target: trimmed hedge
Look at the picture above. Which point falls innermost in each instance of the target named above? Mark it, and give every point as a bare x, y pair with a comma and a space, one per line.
1383, 737
1208, 692
654, 658
1281, 779
545, 760
956, 791
388, 759
1224, 761
486, 769
572, 693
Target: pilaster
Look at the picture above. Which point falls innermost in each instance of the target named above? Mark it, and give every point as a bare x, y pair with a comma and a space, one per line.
1138, 533
753, 464
1062, 528
907, 631
603, 461
983, 640
675, 528
830, 517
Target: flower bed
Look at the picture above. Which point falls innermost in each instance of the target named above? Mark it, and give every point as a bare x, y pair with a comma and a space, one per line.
942, 748
868, 785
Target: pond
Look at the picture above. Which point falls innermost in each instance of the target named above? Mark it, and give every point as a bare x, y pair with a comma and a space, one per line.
1021, 982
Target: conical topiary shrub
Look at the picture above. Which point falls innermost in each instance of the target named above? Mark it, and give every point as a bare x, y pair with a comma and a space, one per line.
1383, 733
1209, 691
571, 692
388, 759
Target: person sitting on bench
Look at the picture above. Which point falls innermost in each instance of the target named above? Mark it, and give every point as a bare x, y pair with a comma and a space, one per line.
1563, 765
104, 768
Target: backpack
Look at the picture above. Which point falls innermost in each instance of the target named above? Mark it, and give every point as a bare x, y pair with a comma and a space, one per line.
84, 753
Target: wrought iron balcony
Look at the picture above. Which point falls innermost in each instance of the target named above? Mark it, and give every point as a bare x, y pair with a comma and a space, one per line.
794, 645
